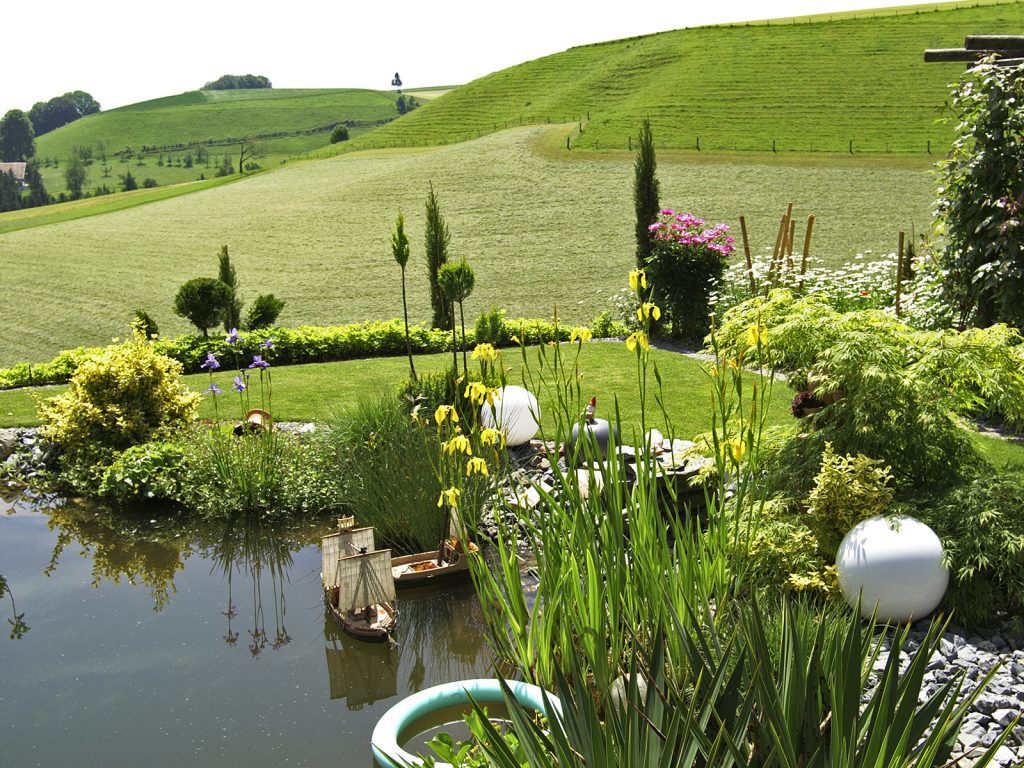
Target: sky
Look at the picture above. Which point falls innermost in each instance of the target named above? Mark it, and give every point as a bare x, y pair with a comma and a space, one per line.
124, 51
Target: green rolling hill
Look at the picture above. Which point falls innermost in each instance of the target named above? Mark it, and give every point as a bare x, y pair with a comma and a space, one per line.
811, 84
289, 122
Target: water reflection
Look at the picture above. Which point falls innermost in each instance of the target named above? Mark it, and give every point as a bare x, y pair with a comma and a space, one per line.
262, 554
440, 636
135, 547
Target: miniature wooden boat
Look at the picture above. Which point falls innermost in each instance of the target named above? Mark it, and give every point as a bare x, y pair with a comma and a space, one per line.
359, 589
428, 568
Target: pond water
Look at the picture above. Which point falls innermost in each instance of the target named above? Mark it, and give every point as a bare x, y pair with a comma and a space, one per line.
155, 643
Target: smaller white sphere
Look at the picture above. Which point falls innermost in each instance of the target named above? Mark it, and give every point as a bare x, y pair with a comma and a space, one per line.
893, 564
515, 413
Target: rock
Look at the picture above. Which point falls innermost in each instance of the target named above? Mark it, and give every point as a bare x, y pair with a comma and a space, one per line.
1004, 716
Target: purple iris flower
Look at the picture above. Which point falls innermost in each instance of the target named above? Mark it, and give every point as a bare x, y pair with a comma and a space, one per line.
259, 362
233, 337
239, 384
268, 344
211, 362
213, 389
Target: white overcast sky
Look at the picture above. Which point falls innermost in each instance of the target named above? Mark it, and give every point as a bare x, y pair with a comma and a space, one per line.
125, 51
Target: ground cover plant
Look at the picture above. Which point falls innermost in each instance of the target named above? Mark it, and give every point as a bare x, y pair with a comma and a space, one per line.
285, 237
808, 84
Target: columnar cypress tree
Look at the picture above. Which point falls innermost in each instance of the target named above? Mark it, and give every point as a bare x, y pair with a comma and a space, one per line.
645, 192
226, 274
437, 240
400, 250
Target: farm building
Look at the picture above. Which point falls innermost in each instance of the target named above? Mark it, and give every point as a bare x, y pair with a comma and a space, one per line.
17, 170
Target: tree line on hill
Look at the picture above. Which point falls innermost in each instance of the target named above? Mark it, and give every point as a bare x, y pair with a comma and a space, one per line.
237, 82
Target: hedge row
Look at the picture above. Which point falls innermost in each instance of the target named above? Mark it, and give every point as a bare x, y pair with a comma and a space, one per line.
292, 346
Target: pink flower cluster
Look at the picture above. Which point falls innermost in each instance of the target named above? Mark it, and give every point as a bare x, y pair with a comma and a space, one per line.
687, 229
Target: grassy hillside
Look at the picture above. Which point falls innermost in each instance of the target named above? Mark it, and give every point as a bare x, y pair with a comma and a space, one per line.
288, 120
812, 84
539, 229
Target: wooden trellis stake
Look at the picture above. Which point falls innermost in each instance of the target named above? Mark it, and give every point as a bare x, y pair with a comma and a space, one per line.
807, 244
746, 252
899, 273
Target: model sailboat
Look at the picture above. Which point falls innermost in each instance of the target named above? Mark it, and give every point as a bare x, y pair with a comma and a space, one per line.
359, 588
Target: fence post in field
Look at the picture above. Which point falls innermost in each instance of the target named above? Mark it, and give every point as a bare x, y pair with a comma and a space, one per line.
780, 247
746, 253
899, 273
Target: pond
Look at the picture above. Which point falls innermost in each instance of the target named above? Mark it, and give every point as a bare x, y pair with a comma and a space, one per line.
155, 643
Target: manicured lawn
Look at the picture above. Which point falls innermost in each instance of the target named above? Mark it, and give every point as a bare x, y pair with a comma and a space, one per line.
316, 392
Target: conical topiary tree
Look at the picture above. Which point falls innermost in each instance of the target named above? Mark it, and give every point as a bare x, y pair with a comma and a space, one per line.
437, 239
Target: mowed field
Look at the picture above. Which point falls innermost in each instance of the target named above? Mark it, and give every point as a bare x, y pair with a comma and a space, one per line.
813, 84
539, 228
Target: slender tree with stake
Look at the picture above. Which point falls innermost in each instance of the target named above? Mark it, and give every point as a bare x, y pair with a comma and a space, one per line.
456, 280
400, 250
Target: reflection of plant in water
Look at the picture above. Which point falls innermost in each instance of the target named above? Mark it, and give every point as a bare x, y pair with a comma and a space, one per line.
245, 544
18, 625
139, 549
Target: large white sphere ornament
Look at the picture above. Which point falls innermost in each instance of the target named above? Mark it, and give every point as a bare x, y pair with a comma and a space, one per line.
894, 564
515, 413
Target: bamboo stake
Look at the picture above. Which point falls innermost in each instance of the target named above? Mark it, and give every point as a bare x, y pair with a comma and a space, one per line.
789, 245
780, 247
746, 252
807, 245
899, 273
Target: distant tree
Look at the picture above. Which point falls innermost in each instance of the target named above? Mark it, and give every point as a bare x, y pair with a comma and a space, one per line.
645, 193
405, 104
234, 82
17, 139
202, 156
227, 275
149, 183
202, 301
226, 167
249, 149
37, 194
456, 280
339, 134
400, 250
188, 160
10, 192
128, 182
61, 110
75, 175
263, 312
437, 240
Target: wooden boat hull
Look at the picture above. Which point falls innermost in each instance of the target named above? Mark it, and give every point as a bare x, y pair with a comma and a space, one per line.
377, 630
405, 574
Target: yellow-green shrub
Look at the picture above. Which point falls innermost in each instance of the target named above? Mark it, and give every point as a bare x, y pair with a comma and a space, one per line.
124, 396
848, 489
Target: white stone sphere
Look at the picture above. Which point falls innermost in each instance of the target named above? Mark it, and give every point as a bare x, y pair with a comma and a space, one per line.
894, 563
513, 413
